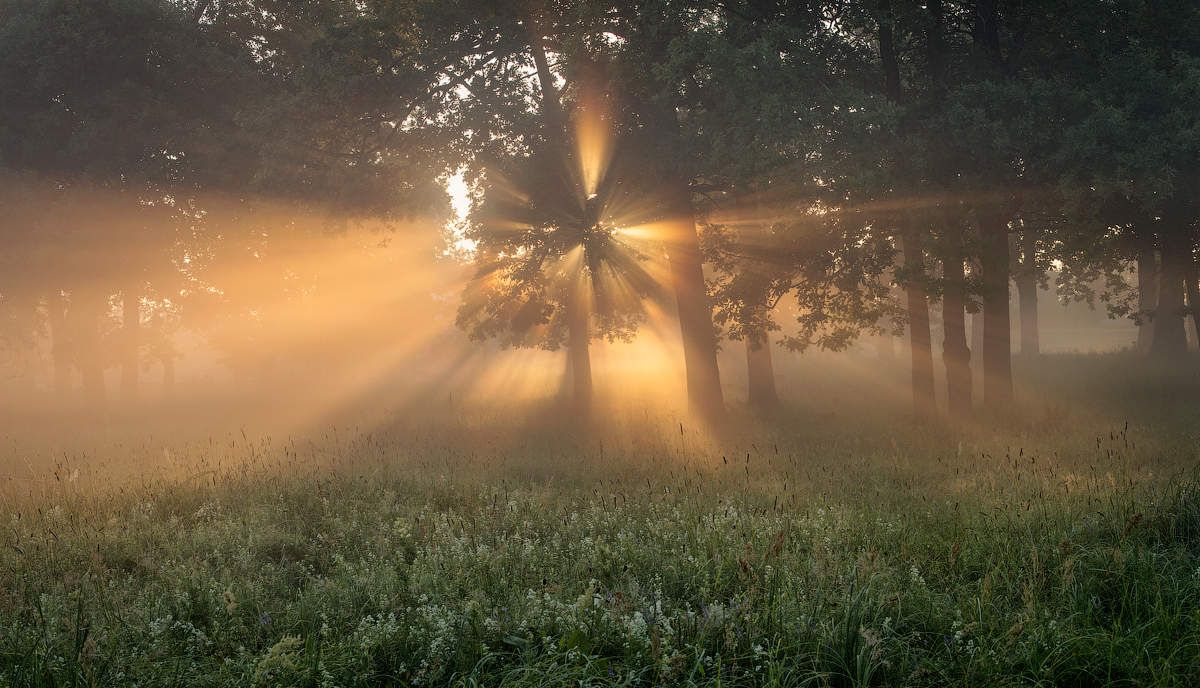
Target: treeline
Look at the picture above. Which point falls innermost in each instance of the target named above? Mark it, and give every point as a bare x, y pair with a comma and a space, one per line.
159, 160
824, 169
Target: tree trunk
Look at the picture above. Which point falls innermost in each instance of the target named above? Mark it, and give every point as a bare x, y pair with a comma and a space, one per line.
887, 51
924, 401
199, 9
1169, 337
578, 347
130, 325
977, 342
1193, 298
760, 372
695, 311
997, 345
889, 340
1027, 295
1147, 273
579, 358
955, 353
551, 107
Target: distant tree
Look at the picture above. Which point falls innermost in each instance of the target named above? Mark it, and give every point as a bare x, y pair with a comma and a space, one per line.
148, 109
110, 109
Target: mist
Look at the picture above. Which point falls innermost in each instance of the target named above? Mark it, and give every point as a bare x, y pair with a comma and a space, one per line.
602, 343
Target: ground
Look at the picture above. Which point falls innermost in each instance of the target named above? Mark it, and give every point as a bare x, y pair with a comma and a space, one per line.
832, 544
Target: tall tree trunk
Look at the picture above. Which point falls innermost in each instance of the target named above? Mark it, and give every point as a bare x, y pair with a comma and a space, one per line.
578, 346
685, 264
130, 326
997, 344
955, 353
760, 372
987, 33
1147, 274
924, 400
993, 230
551, 107
578, 316
920, 340
889, 340
887, 51
977, 343
1169, 336
977, 330
1027, 294
1193, 297
695, 311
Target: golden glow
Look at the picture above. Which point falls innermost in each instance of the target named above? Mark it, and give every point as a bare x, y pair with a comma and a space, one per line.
593, 141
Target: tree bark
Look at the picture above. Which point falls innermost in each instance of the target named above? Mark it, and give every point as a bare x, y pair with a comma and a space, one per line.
1169, 336
1027, 295
578, 346
578, 316
924, 400
695, 311
977, 342
1147, 273
955, 353
760, 372
987, 33
551, 107
920, 339
685, 263
887, 52
131, 340
1193, 297
997, 345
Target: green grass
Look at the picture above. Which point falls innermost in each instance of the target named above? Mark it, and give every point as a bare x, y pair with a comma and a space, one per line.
838, 547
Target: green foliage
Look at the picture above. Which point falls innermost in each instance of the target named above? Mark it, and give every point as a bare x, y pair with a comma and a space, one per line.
538, 236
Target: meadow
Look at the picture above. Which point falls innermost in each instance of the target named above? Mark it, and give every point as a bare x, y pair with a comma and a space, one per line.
833, 544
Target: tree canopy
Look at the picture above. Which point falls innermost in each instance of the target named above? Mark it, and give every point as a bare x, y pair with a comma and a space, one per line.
800, 173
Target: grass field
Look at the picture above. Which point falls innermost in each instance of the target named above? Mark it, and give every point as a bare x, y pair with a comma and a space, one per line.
834, 544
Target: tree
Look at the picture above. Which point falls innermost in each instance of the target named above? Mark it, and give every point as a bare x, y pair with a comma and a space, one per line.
553, 267
118, 106
326, 104
747, 268
1128, 162
1028, 277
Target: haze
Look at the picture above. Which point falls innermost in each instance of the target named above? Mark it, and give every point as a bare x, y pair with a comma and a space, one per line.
599, 343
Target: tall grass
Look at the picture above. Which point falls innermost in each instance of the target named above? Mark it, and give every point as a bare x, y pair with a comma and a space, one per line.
824, 547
